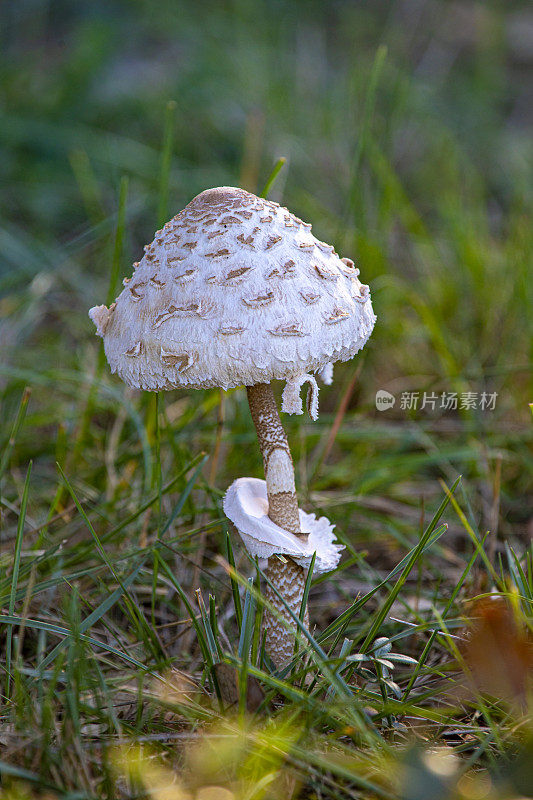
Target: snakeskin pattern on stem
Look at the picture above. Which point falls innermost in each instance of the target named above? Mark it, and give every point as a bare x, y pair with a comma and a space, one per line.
288, 577
289, 580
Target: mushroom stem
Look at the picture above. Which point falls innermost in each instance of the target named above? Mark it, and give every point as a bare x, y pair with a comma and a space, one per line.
277, 460
287, 576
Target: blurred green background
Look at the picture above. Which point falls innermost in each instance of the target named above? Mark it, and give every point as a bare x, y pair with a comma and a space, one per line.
406, 128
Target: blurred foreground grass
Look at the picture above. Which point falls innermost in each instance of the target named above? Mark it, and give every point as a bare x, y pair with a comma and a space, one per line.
405, 128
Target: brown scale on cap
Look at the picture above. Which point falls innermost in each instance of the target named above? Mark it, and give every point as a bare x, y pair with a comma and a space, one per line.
195, 309
259, 300
286, 270
271, 241
337, 315
324, 273
309, 296
216, 197
364, 293
182, 361
137, 350
186, 276
288, 329
249, 240
231, 330
222, 253
235, 276
134, 290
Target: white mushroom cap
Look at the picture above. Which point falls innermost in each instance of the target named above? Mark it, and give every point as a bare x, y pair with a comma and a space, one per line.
233, 291
246, 505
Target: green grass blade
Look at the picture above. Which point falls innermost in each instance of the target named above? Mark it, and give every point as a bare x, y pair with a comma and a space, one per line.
114, 280
248, 619
213, 621
17, 424
95, 615
88, 186
184, 495
427, 539
234, 585
209, 635
272, 177
200, 633
118, 245
166, 159
339, 625
135, 613
59, 630
473, 536
366, 123
358, 715
15, 572
518, 575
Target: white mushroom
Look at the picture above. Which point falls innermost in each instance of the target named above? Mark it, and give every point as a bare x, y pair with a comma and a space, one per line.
234, 291
246, 505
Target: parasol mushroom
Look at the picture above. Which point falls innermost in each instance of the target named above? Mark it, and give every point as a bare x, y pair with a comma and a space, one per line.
236, 291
